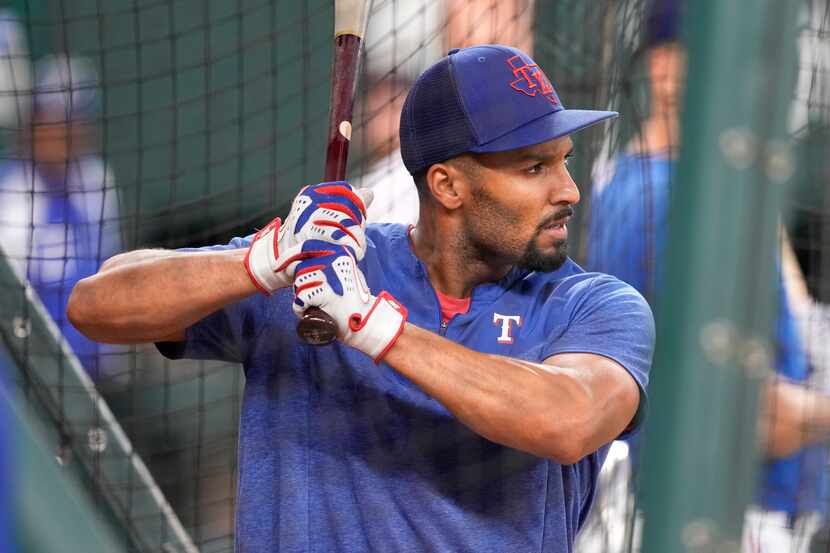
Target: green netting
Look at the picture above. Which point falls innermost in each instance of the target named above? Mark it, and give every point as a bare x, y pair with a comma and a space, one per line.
210, 116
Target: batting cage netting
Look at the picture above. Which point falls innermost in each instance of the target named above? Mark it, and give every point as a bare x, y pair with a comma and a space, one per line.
131, 124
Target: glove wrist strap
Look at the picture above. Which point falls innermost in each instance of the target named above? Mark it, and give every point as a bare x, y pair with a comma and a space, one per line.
377, 331
261, 259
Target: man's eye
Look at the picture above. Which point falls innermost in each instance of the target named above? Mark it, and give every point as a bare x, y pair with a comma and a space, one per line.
568, 158
535, 169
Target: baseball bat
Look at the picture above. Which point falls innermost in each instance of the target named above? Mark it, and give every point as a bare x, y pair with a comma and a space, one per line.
316, 327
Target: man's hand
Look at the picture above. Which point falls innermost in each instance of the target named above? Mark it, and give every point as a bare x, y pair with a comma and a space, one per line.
328, 277
331, 211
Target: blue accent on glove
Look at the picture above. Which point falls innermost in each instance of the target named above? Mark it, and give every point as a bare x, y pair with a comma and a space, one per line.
317, 198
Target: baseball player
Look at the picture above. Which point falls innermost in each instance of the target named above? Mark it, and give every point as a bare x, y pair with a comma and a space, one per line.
479, 374
792, 490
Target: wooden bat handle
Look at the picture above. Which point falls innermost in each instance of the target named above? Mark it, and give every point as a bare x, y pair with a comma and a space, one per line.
343, 85
316, 327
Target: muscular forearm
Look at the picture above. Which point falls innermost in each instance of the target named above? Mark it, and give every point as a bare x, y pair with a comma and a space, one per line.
151, 295
542, 409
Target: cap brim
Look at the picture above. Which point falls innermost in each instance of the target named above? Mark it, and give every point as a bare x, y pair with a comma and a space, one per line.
551, 126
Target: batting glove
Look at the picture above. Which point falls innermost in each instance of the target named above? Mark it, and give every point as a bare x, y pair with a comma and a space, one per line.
330, 279
330, 211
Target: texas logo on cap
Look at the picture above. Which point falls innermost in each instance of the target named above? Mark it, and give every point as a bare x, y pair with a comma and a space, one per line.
531, 80
482, 99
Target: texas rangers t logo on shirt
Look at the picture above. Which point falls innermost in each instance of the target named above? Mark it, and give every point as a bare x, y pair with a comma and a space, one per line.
531, 80
506, 321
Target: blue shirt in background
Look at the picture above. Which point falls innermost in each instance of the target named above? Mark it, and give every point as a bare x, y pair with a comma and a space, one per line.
56, 230
627, 239
339, 454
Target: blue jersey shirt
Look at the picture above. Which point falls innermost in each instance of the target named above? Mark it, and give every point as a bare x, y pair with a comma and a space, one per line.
339, 454
627, 236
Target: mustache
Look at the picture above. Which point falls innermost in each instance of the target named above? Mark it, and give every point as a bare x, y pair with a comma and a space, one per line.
561, 214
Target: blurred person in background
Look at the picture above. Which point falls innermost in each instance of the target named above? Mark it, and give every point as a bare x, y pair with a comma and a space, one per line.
395, 196
791, 499
394, 59
58, 203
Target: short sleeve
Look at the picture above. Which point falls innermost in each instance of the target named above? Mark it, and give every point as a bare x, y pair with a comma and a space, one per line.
221, 336
610, 318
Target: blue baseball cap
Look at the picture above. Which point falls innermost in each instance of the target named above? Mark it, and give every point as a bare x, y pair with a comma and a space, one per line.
488, 98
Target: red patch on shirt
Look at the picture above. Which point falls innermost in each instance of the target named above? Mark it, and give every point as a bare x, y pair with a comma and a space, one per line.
450, 307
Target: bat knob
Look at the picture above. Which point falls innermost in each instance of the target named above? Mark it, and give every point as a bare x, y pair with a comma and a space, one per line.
316, 327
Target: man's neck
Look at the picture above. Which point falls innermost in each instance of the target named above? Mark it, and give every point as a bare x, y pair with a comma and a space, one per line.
453, 267
660, 135
55, 172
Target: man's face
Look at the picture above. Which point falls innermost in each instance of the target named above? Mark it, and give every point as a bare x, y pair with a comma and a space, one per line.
667, 73
521, 201
53, 140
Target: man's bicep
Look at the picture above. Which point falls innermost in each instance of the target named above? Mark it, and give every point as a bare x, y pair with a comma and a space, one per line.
615, 393
612, 324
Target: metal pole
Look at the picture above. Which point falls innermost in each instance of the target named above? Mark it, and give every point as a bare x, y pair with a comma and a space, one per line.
717, 303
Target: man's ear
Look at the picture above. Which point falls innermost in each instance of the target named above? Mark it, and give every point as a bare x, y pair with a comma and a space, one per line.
447, 184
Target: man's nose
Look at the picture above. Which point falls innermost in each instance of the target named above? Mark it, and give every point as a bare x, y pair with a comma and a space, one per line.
564, 189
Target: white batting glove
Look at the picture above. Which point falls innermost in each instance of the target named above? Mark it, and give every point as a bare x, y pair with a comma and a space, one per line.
330, 211
330, 279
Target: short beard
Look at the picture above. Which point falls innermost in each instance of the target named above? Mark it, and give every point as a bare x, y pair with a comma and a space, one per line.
534, 260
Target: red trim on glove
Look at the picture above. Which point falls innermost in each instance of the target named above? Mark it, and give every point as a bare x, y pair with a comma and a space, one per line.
400, 308
306, 286
356, 323
302, 256
251, 275
340, 208
343, 192
276, 222
310, 269
394, 339
324, 223
259, 234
